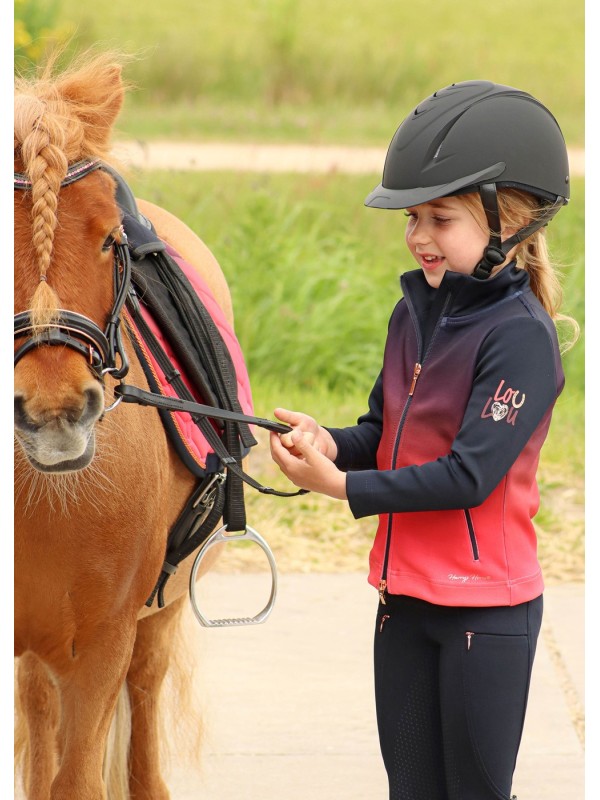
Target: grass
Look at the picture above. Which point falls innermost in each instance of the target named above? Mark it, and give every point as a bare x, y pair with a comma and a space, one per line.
314, 277
323, 71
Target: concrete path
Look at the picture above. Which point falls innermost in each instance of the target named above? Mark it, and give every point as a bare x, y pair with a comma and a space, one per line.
197, 156
290, 705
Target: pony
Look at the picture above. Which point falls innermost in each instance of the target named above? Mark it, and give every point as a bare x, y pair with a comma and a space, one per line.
96, 492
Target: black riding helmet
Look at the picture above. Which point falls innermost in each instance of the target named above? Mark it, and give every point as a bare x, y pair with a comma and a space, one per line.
477, 136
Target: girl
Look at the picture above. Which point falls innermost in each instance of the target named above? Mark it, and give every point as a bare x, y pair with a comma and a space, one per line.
447, 453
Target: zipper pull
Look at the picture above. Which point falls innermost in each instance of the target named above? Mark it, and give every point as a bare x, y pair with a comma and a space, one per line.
416, 373
469, 635
382, 588
384, 619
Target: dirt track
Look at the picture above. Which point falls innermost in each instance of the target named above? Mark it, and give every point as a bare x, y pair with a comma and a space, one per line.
266, 157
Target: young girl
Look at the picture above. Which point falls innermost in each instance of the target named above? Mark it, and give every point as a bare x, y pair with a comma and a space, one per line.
447, 453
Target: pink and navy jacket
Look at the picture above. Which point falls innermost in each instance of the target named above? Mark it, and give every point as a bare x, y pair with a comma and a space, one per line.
447, 453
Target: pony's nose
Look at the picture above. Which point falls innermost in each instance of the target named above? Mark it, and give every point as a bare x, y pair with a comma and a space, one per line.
86, 409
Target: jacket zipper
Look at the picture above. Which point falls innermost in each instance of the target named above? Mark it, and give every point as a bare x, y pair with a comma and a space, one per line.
472, 537
417, 369
383, 581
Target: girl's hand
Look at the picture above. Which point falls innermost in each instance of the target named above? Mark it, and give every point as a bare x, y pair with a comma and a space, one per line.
306, 467
314, 434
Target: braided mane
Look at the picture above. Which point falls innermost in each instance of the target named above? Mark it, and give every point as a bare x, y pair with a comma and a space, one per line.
60, 118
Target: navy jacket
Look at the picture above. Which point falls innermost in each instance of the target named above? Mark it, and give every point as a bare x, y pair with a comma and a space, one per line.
448, 451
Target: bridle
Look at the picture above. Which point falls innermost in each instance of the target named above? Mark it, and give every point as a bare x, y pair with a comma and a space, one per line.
102, 349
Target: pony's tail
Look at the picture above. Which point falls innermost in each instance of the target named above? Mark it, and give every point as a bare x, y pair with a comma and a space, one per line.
181, 728
116, 758
21, 744
182, 710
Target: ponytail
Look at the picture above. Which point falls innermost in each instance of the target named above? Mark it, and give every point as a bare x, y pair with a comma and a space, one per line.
517, 209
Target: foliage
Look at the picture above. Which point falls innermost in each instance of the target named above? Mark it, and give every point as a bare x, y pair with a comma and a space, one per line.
314, 274
38, 28
323, 70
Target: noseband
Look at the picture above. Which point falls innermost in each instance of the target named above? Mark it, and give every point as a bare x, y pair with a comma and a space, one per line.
103, 350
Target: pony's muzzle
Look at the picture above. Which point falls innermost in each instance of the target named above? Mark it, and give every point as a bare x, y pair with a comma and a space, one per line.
59, 438
84, 409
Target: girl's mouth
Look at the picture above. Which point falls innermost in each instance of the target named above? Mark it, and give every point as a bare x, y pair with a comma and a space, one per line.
430, 262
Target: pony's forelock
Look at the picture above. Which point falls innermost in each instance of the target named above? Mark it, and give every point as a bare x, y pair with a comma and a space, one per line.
62, 117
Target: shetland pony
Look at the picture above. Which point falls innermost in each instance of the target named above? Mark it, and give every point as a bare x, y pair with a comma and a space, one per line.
96, 492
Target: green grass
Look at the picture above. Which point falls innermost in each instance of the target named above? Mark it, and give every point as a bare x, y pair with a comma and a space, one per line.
324, 70
314, 278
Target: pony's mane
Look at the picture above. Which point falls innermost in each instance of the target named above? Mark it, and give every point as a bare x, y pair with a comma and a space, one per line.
61, 117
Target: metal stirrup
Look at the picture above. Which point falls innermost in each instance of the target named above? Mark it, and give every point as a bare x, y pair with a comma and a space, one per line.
218, 537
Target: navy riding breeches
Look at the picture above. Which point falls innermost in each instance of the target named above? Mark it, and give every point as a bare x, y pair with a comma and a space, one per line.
451, 687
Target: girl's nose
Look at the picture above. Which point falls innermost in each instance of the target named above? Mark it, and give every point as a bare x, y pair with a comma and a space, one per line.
417, 233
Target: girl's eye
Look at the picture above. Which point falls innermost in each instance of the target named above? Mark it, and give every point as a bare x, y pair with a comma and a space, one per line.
441, 220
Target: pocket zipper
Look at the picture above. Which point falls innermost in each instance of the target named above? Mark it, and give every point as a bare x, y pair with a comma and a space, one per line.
472, 537
382, 622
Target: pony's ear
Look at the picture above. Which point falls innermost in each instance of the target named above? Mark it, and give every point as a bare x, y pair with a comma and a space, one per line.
97, 94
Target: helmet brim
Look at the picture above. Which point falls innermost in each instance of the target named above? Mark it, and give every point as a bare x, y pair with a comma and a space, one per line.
382, 197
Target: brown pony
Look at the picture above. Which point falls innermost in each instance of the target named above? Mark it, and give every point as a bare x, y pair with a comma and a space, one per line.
96, 492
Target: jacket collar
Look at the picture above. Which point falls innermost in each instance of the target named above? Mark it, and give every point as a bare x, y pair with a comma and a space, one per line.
467, 294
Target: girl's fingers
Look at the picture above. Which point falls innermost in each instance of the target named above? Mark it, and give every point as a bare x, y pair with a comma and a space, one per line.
291, 417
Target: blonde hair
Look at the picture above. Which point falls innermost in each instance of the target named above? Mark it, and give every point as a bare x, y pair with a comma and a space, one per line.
517, 209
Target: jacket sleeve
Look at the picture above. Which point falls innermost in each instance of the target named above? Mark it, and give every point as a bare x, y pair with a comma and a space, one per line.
357, 445
521, 352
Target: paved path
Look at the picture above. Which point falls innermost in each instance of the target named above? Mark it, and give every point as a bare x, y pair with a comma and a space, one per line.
290, 705
266, 157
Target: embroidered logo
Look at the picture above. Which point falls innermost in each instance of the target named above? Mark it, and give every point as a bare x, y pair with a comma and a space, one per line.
505, 404
468, 578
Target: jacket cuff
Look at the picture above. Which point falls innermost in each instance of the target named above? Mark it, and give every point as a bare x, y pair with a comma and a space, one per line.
343, 460
361, 488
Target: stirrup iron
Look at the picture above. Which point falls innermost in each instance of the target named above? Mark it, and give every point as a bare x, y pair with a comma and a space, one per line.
218, 537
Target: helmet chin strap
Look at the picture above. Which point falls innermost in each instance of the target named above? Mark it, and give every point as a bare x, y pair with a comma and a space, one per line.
496, 251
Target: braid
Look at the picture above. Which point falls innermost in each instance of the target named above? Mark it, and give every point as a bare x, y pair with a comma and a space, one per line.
45, 164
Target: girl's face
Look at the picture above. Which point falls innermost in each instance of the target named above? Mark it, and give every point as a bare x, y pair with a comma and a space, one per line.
443, 234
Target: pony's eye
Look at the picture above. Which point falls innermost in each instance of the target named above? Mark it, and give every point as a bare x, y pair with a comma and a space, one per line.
108, 243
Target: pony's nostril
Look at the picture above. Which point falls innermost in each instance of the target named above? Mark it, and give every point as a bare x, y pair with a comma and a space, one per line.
94, 402
22, 419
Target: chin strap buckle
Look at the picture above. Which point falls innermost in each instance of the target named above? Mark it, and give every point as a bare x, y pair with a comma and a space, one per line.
492, 257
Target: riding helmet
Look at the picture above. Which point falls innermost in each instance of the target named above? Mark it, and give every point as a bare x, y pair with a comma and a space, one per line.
477, 136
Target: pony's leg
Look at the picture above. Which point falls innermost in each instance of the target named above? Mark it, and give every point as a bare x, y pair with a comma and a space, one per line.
156, 635
88, 693
38, 700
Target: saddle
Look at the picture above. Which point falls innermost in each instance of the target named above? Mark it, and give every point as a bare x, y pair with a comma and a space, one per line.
189, 353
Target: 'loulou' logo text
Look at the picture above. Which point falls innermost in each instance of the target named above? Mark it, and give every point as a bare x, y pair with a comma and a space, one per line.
505, 404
